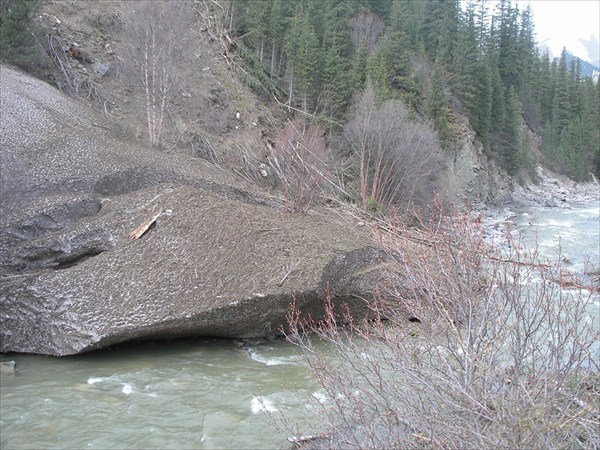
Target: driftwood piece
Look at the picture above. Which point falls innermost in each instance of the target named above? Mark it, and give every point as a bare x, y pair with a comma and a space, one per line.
139, 231
299, 441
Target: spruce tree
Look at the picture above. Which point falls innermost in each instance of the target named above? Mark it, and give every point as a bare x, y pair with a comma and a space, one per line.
570, 153
440, 29
561, 104
396, 50
481, 117
378, 73
465, 62
511, 134
337, 76
302, 51
359, 69
437, 108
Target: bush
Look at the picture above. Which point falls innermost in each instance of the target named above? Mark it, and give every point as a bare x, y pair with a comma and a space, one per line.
396, 161
479, 349
298, 158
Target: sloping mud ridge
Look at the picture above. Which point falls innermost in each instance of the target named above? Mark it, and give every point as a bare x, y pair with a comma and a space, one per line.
221, 258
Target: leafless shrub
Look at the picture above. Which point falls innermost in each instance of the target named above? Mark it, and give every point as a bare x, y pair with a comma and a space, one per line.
298, 159
367, 28
397, 161
202, 148
106, 21
70, 80
157, 63
497, 354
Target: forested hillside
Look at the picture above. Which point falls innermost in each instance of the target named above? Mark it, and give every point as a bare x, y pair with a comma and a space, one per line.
381, 95
438, 59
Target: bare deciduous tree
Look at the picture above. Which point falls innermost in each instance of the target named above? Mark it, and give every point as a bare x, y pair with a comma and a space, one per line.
298, 158
156, 37
367, 28
398, 161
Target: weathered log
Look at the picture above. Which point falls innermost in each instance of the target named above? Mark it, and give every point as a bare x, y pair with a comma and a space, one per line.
139, 231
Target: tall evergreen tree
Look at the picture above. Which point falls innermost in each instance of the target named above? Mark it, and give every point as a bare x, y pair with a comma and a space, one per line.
302, 51
337, 75
359, 69
561, 105
437, 108
511, 134
396, 48
440, 28
466, 56
506, 23
481, 117
378, 73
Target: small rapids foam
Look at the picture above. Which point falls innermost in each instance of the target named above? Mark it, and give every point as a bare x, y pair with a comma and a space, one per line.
272, 361
126, 388
94, 380
262, 404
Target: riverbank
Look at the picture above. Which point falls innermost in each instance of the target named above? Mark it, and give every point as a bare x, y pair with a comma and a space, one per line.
554, 191
551, 191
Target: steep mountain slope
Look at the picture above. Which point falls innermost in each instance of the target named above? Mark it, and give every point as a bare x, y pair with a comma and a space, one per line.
221, 119
217, 117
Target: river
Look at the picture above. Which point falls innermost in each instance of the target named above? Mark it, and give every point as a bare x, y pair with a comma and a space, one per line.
206, 393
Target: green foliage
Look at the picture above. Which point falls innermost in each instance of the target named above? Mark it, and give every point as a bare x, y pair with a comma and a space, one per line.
437, 109
359, 70
254, 74
487, 53
302, 52
17, 44
511, 135
480, 113
373, 206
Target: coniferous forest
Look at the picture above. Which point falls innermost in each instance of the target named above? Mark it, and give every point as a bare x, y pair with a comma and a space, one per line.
439, 59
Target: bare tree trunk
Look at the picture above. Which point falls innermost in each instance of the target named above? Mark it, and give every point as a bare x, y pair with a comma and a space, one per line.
146, 66
156, 41
262, 45
291, 90
154, 97
272, 58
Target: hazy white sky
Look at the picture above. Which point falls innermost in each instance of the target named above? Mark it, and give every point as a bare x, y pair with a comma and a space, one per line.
564, 17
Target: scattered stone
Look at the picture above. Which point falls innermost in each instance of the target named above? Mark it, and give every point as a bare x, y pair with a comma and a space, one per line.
100, 68
7, 367
554, 191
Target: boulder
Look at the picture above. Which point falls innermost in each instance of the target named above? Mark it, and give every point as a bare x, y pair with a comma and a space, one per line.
7, 367
100, 68
221, 258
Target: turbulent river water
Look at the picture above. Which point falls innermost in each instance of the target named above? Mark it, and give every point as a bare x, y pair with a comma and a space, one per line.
206, 393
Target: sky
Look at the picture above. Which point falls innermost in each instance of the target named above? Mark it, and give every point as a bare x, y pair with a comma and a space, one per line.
559, 23
565, 17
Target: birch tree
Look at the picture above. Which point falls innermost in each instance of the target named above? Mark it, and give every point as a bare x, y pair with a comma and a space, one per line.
157, 37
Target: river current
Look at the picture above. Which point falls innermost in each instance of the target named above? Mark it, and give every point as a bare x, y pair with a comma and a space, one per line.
206, 393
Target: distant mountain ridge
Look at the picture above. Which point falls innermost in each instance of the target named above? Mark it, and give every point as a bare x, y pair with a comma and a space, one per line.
586, 48
587, 69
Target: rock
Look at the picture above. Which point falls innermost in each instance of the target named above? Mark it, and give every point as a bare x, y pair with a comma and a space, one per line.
100, 68
478, 176
7, 367
222, 260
